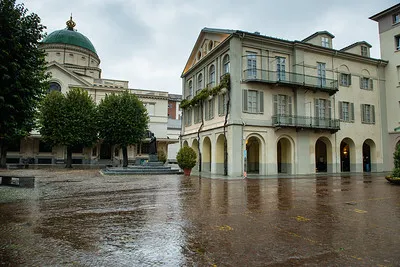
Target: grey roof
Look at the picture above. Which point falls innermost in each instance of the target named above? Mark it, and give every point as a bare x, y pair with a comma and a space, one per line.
215, 30
174, 124
377, 16
318, 33
356, 44
174, 97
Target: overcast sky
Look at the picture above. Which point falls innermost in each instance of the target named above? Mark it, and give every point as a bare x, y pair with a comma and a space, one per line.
148, 42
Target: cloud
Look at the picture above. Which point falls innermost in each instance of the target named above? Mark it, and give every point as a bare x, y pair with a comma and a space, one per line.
147, 42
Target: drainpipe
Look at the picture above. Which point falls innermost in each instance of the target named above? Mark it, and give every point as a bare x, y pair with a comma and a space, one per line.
225, 141
198, 135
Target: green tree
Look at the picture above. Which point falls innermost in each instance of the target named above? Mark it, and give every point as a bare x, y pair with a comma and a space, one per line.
69, 120
396, 160
23, 80
123, 121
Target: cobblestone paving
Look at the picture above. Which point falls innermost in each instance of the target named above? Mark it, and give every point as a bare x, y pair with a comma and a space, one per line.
81, 218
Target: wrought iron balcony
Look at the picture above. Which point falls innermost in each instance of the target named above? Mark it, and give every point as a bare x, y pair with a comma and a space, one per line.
291, 79
299, 122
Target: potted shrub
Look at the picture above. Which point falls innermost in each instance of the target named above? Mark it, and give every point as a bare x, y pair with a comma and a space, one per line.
394, 178
186, 159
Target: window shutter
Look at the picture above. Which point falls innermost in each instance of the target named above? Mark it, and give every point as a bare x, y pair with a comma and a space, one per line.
260, 101
371, 84
275, 104
212, 107
328, 109
220, 105
349, 79
245, 100
351, 111
362, 113
290, 105
373, 114
340, 111
316, 105
206, 109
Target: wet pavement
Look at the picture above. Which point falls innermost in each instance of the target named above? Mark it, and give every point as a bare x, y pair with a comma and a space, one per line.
81, 218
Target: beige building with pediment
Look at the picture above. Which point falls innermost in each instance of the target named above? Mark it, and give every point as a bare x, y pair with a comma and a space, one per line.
73, 62
293, 107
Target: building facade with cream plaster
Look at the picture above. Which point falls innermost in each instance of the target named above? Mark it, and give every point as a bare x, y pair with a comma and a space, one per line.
293, 107
73, 62
389, 35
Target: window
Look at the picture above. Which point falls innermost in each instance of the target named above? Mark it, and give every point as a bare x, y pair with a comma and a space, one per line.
53, 86
187, 115
366, 83
226, 64
44, 147
199, 83
367, 114
282, 105
322, 108
77, 149
253, 101
345, 79
197, 114
281, 68
251, 65
222, 104
364, 51
209, 109
397, 42
190, 89
321, 72
142, 148
346, 110
210, 45
150, 108
325, 41
211, 78
396, 18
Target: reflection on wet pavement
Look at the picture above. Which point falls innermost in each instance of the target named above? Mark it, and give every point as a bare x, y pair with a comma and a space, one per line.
84, 219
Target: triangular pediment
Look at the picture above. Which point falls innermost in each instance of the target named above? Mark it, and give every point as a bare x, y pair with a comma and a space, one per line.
207, 40
65, 77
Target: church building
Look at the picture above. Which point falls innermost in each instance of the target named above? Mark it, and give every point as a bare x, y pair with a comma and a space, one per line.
73, 62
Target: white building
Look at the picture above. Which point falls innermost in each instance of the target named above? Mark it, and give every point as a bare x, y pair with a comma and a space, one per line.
73, 62
294, 107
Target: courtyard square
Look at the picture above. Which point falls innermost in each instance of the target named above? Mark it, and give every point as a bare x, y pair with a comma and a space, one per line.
82, 218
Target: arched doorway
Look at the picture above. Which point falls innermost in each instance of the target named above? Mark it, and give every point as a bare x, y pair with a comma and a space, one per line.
347, 155
284, 156
195, 146
369, 156
206, 155
323, 155
253, 155
185, 143
220, 154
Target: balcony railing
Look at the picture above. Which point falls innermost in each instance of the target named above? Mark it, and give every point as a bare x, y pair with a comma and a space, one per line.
306, 122
291, 79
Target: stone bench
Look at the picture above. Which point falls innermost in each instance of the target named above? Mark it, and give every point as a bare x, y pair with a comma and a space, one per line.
22, 181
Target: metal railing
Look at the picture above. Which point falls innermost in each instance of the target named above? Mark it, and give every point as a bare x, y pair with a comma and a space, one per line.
305, 122
291, 78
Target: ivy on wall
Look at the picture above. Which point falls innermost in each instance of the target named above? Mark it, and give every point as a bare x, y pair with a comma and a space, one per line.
207, 92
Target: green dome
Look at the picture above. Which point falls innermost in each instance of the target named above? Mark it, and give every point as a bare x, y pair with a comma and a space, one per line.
71, 37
